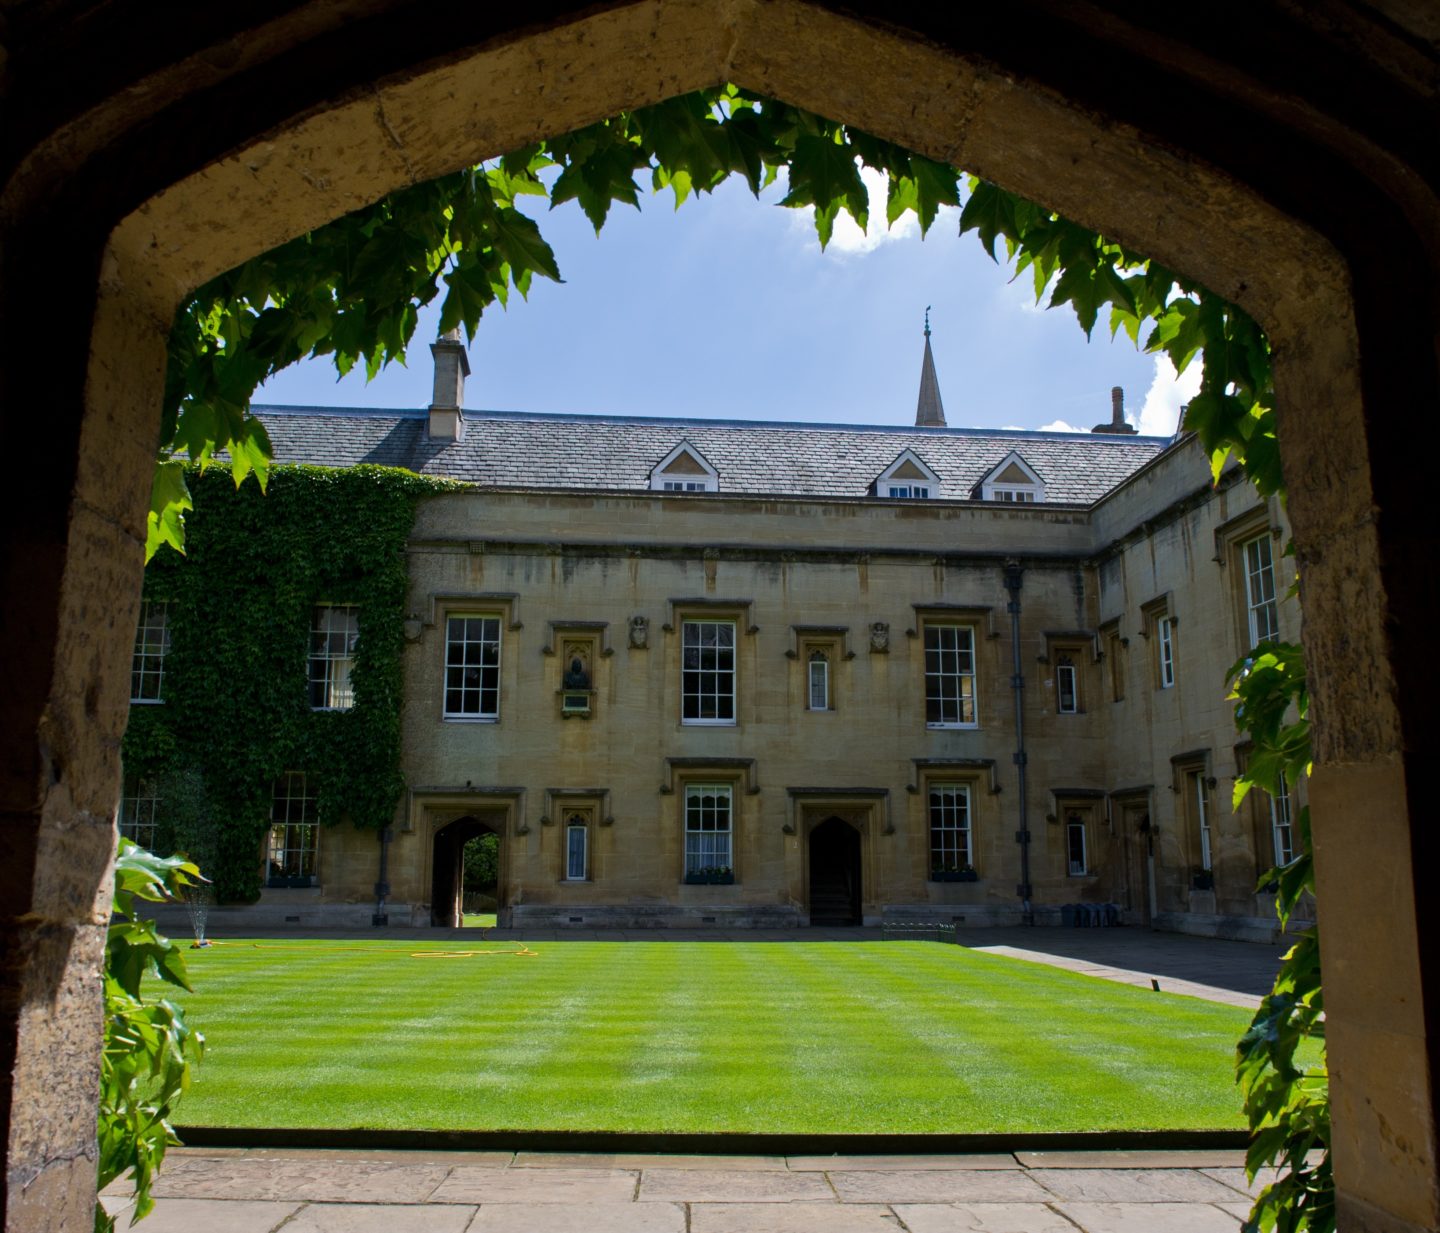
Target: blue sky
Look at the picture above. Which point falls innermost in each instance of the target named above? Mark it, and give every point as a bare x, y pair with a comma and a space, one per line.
728, 309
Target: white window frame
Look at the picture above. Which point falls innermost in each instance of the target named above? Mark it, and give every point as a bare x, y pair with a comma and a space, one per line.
334, 635
1282, 830
1262, 610
577, 871
139, 810
1066, 671
293, 844
706, 845
693, 694
457, 669
817, 684
707, 481
1202, 816
921, 483
1075, 825
1031, 492
1165, 650
152, 644
948, 826
950, 665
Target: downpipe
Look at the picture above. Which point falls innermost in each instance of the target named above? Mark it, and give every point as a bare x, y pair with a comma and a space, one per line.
382, 887
1014, 579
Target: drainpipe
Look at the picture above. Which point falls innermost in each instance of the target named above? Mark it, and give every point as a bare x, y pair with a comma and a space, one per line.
1013, 576
382, 887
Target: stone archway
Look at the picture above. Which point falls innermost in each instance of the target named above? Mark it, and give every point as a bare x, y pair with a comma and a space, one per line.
184, 148
447, 867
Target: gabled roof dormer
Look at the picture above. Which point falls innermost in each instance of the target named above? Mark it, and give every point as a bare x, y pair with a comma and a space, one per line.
1013, 480
684, 469
908, 477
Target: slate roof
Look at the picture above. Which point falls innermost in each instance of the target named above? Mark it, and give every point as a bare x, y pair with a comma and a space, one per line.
511, 449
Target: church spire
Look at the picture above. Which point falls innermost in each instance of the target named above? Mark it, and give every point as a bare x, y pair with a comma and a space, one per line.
929, 410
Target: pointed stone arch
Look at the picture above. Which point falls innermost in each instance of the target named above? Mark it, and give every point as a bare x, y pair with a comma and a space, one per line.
173, 151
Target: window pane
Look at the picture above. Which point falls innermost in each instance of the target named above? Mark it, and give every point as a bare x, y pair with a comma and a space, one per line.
1067, 700
949, 675
294, 832
472, 667
138, 805
1075, 844
334, 636
949, 828
707, 681
575, 853
707, 827
152, 643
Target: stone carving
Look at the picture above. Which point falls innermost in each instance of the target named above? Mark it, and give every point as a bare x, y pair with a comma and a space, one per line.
880, 637
639, 632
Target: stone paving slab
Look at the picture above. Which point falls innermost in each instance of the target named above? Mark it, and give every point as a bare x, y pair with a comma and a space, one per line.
981, 1218
790, 1218
322, 1181
577, 1218
938, 1186
1207, 1159
1149, 1218
378, 1218
1132, 1185
216, 1216
470, 1185
635, 1160
739, 1186
851, 1164
347, 1191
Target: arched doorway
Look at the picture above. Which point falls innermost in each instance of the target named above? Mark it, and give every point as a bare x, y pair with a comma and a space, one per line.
447, 868
834, 873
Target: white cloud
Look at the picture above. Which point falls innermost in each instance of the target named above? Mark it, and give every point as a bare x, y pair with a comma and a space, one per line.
1167, 394
1059, 426
847, 239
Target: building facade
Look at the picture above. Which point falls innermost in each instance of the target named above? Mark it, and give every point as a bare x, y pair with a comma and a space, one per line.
749, 674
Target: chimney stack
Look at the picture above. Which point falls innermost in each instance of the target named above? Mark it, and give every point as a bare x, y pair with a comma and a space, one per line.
1117, 425
452, 366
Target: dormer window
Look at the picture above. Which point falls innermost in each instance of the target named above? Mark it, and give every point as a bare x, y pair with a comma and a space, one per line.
908, 478
1014, 481
684, 469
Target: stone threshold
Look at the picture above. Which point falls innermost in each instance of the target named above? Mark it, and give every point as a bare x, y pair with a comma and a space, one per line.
717, 1144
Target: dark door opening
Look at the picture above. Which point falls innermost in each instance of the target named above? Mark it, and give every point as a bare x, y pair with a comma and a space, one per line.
834, 874
447, 888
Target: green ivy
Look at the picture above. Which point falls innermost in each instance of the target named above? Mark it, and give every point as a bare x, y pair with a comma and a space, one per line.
236, 707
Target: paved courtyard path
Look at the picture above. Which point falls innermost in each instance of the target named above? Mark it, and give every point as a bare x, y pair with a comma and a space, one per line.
296, 1191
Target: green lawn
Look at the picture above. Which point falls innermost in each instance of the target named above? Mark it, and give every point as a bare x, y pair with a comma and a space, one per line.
679, 1036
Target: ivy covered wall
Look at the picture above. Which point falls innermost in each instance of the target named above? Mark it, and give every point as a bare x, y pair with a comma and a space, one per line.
236, 711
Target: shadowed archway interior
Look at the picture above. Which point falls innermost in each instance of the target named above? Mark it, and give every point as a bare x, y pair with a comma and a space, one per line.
835, 892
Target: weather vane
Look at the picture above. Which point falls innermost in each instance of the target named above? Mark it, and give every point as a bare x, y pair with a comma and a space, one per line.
927, 321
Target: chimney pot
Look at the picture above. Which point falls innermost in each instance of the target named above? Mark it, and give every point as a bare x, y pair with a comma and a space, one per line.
452, 366
1117, 424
